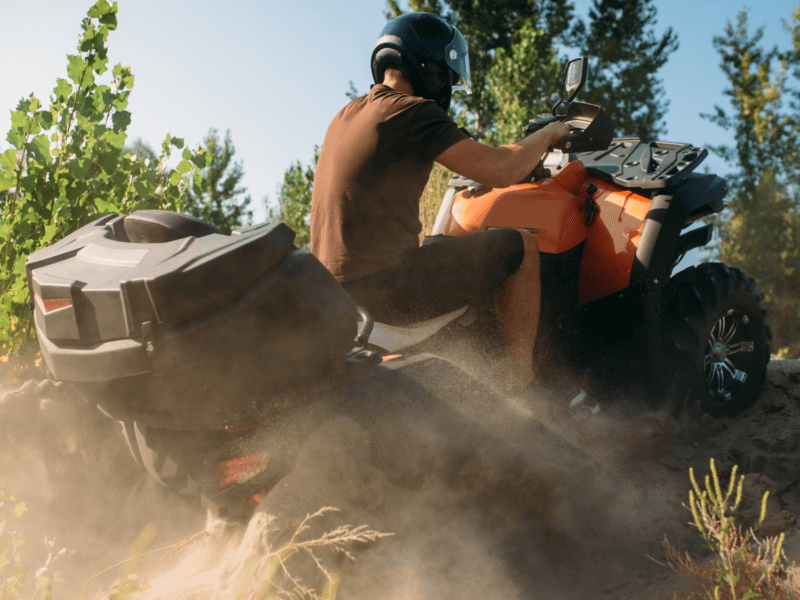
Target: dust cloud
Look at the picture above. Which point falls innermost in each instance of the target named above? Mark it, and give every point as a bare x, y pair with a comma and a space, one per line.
486, 495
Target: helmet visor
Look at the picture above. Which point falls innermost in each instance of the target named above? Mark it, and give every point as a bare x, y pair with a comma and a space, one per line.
456, 55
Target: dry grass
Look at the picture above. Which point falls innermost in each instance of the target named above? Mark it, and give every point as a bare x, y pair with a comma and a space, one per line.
16, 579
270, 576
744, 566
268, 567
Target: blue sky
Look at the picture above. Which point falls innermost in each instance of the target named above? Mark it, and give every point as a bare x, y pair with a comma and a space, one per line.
275, 73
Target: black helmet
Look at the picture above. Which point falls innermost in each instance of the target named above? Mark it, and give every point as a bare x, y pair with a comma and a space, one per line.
432, 52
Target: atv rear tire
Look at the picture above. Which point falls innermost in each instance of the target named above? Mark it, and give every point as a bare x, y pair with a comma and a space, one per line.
718, 339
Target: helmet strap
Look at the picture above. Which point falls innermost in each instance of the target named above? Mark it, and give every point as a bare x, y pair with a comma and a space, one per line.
442, 97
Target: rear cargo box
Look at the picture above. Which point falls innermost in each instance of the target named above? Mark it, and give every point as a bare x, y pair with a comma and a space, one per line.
140, 322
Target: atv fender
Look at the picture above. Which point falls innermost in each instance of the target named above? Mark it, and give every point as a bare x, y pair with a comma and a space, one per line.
667, 217
652, 265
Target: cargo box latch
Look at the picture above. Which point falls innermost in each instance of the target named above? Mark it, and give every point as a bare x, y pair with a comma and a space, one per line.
148, 336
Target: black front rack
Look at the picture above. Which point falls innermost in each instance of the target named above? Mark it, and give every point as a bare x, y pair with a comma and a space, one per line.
631, 163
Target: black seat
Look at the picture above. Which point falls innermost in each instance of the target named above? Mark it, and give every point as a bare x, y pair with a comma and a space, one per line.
160, 226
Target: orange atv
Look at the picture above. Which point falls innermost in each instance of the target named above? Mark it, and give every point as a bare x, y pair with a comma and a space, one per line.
608, 215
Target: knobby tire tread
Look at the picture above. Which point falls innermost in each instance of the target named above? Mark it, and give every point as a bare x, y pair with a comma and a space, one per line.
696, 295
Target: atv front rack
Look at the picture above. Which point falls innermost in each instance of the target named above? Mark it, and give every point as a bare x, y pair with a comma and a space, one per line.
632, 163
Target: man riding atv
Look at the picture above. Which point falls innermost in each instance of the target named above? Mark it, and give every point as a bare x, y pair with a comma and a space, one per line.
375, 162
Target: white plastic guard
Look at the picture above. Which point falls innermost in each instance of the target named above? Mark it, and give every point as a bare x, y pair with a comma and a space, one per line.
392, 338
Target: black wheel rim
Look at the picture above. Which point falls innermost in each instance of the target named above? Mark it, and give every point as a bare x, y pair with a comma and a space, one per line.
727, 355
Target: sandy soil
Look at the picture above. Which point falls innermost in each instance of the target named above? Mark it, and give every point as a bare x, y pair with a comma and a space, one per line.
572, 514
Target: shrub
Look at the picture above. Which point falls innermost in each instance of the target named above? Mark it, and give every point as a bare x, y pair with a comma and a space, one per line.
67, 167
745, 567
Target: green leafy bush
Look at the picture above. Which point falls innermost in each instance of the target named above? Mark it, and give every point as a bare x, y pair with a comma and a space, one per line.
67, 167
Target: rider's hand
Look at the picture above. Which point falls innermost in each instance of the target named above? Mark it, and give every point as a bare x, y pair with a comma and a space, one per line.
557, 131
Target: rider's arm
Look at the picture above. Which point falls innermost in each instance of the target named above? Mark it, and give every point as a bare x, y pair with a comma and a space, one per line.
505, 165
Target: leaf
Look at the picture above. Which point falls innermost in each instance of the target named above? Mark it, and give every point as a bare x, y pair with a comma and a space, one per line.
184, 167
141, 188
121, 119
100, 8
175, 178
8, 160
19, 119
198, 184
199, 158
109, 161
177, 142
49, 233
109, 20
7, 182
20, 509
76, 69
106, 13
45, 118
87, 38
62, 89
116, 138
15, 138
78, 168
105, 206
125, 76
41, 149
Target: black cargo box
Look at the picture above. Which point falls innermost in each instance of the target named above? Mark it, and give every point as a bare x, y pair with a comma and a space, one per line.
186, 304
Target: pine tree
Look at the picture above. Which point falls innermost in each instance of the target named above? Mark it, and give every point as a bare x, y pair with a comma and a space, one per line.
761, 232
624, 58
294, 199
221, 202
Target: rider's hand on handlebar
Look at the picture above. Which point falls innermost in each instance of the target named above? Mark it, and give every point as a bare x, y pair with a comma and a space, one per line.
557, 132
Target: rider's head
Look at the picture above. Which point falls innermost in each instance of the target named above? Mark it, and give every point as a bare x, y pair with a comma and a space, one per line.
430, 53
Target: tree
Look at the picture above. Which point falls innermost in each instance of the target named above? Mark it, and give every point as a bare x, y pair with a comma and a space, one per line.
217, 199
66, 167
521, 83
489, 26
142, 149
624, 57
761, 232
294, 199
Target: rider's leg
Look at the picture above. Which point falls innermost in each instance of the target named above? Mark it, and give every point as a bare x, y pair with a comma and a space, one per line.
517, 304
441, 277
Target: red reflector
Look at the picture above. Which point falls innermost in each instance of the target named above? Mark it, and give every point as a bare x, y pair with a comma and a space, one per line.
51, 305
240, 469
242, 428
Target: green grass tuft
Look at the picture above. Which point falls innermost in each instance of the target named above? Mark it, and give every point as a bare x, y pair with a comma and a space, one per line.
744, 567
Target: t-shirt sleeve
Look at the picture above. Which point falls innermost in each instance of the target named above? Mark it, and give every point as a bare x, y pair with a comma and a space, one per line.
431, 130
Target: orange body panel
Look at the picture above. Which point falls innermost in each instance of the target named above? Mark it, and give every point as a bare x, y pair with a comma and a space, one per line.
551, 211
611, 241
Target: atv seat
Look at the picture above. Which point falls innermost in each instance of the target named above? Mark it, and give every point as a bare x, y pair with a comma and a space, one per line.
160, 226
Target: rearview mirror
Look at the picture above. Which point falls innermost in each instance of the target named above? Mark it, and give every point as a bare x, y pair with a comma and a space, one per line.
574, 78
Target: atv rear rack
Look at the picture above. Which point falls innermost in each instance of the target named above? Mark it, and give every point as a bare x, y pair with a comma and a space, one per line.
631, 163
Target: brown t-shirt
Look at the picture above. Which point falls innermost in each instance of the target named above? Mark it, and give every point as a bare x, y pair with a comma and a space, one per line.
376, 159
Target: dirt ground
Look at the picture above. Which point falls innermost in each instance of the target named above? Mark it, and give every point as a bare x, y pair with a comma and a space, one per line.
573, 519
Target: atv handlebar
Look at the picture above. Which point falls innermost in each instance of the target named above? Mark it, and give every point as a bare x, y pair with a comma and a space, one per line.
590, 128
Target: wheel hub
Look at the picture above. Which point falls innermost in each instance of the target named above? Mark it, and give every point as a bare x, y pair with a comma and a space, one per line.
719, 352
724, 364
